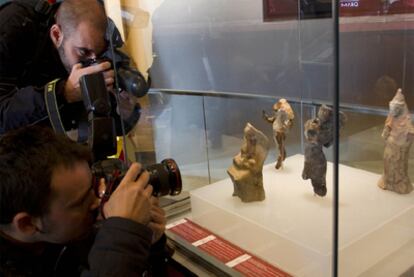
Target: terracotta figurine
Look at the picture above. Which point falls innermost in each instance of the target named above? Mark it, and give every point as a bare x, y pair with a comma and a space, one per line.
315, 161
319, 133
246, 171
399, 135
326, 121
281, 120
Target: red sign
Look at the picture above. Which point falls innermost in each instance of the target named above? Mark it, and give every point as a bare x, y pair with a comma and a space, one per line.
224, 251
280, 9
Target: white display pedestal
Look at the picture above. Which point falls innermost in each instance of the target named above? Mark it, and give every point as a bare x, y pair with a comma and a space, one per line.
292, 228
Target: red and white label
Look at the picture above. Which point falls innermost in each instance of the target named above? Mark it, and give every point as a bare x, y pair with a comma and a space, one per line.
224, 251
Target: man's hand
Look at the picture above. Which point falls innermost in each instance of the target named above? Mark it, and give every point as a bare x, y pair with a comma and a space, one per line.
158, 220
72, 92
131, 199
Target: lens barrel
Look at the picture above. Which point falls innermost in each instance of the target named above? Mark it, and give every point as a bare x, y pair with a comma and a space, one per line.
165, 178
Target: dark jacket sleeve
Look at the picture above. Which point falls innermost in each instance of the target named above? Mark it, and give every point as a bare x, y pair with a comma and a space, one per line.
122, 248
20, 104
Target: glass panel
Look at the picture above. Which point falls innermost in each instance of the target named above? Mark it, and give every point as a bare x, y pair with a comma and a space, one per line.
178, 132
316, 60
224, 46
217, 66
376, 231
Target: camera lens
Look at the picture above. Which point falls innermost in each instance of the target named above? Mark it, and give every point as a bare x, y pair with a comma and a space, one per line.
165, 178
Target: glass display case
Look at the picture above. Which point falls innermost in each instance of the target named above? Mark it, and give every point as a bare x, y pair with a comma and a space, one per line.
217, 66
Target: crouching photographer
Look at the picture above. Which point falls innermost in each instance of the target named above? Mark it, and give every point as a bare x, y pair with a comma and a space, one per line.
49, 206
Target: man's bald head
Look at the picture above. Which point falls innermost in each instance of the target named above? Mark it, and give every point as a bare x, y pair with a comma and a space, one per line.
79, 31
73, 12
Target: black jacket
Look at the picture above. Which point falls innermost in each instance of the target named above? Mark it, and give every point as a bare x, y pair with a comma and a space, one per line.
28, 61
121, 248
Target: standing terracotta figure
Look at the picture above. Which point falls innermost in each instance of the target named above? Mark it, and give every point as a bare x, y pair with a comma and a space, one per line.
399, 135
319, 133
282, 120
246, 171
326, 121
315, 161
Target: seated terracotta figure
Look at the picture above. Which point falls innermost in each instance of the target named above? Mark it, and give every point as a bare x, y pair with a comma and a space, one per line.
246, 170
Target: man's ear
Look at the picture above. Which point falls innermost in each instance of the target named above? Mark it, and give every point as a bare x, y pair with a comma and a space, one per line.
56, 35
24, 224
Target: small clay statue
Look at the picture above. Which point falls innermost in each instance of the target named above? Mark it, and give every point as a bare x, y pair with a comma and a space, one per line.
281, 120
315, 161
246, 171
399, 135
326, 121
319, 132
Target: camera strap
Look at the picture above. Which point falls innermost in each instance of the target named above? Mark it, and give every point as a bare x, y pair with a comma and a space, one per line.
53, 112
52, 107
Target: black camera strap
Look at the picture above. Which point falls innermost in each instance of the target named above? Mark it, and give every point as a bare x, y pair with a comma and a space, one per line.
52, 107
53, 112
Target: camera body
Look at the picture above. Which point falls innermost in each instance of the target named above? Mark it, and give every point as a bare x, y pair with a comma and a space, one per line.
99, 126
129, 77
165, 177
89, 62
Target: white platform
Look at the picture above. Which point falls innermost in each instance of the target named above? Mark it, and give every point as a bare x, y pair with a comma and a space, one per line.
292, 228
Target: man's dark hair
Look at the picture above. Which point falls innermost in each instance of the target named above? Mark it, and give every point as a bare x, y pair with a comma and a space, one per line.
28, 157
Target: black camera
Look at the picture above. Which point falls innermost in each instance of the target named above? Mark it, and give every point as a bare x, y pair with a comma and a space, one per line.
165, 177
98, 127
89, 62
129, 77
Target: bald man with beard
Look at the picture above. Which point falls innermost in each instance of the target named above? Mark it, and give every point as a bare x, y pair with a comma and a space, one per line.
42, 45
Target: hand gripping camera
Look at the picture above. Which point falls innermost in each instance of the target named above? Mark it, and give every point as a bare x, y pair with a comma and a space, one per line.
165, 177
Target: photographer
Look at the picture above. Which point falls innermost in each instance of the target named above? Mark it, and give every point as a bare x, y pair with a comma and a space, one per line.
48, 210
42, 46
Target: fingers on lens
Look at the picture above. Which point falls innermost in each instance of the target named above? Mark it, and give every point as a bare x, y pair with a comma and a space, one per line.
133, 172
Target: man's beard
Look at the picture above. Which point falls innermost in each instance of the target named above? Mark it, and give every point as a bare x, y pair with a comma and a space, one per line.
49, 228
63, 58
